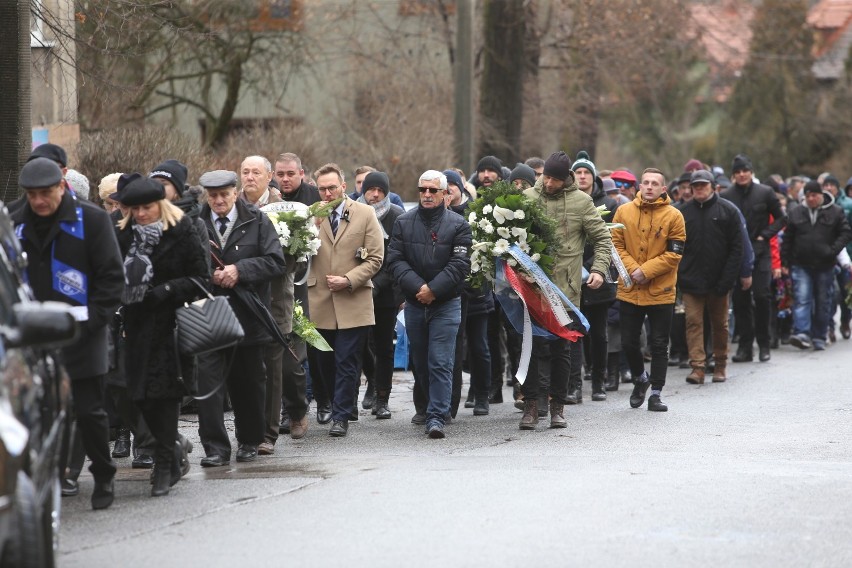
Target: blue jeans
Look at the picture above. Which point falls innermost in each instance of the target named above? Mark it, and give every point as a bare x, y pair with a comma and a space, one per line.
812, 293
432, 333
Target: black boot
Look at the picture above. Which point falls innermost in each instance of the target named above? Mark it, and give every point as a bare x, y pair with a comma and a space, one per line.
496, 396
611, 372
369, 397
598, 392
480, 407
161, 479
469, 401
575, 391
380, 409
122, 443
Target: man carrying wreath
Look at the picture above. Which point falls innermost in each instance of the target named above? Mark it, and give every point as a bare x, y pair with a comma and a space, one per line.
578, 222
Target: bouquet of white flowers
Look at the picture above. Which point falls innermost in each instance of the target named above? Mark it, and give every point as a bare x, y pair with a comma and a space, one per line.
296, 227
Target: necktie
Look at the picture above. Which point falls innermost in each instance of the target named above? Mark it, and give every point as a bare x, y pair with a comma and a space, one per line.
223, 224
334, 223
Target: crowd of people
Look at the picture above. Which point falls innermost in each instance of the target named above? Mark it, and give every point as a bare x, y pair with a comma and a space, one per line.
655, 289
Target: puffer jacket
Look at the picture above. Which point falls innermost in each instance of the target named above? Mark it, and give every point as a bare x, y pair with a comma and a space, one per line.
578, 222
433, 250
815, 245
652, 239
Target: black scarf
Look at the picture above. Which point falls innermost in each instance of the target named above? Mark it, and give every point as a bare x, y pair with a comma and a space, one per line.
138, 270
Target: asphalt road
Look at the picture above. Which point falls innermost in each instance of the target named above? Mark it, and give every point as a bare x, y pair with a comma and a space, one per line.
753, 472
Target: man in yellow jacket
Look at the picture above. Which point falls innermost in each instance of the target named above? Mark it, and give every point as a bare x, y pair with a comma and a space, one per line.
651, 247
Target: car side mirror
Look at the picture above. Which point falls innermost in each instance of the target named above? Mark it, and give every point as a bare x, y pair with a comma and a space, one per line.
41, 324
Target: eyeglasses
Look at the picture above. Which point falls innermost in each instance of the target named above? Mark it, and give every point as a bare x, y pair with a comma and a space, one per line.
329, 188
622, 184
432, 190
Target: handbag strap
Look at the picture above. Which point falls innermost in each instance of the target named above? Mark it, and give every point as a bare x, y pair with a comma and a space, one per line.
201, 286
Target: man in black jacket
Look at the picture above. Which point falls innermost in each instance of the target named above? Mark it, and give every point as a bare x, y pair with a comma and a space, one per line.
816, 233
764, 218
708, 271
251, 256
73, 257
429, 257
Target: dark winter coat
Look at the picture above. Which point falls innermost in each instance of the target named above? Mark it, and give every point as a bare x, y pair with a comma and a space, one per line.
713, 253
815, 245
95, 256
305, 193
386, 292
434, 252
151, 364
757, 202
254, 249
607, 291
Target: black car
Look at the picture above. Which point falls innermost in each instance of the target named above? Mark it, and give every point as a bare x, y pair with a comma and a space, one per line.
34, 399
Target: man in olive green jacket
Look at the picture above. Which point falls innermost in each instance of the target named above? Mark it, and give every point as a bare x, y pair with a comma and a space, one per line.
577, 221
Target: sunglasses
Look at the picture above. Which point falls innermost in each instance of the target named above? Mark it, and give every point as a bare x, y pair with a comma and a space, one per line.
432, 190
622, 184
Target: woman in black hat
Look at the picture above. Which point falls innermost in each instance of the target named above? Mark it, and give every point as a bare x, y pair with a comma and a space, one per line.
161, 252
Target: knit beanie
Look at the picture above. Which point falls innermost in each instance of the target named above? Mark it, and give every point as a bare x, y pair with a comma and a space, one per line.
828, 179
741, 162
454, 178
490, 163
583, 161
693, 165
524, 172
376, 179
558, 166
813, 186
173, 171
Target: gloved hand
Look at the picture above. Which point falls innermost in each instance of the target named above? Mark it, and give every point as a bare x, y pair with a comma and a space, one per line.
158, 294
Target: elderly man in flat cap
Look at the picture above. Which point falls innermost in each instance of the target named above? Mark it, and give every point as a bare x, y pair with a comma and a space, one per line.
248, 257
74, 259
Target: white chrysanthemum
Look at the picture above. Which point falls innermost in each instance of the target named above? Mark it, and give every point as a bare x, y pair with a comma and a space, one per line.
536, 257
500, 247
487, 209
472, 217
486, 226
501, 214
503, 232
519, 214
524, 246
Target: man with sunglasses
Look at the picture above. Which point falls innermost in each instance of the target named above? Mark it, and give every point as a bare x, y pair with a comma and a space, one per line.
625, 183
429, 257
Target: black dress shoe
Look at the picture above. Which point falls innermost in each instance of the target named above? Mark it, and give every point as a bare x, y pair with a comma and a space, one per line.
324, 413
246, 453
655, 404
419, 419
575, 395
122, 444
70, 488
637, 397
214, 461
369, 397
143, 461
339, 429
763, 354
103, 495
743, 356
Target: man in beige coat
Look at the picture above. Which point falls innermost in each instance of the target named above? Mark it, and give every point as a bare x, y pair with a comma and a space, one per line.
340, 292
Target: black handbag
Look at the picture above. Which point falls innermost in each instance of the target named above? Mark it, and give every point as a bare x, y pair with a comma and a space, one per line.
206, 325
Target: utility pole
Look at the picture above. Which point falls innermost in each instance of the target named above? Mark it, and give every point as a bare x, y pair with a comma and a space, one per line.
15, 120
463, 112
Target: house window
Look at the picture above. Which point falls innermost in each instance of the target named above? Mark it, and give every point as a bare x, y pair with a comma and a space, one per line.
37, 26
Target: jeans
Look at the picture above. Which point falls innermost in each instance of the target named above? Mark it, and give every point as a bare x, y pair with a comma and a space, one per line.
812, 292
660, 318
432, 334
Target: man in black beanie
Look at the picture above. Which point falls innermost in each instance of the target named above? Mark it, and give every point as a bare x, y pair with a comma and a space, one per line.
764, 218
488, 170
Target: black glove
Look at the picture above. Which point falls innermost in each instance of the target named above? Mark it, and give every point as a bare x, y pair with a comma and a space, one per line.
158, 294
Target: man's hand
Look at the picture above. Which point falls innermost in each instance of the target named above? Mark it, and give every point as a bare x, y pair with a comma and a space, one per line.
337, 283
595, 281
745, 283
425, 295
638, 276
226, 277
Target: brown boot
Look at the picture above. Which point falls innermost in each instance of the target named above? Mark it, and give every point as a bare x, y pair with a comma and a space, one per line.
557, 420
719, 375
298, 427
696, 377
530, 417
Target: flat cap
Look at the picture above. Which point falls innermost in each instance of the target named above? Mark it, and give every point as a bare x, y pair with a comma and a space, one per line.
39, 173
218, 179
141, 191
51, 152
702, 176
